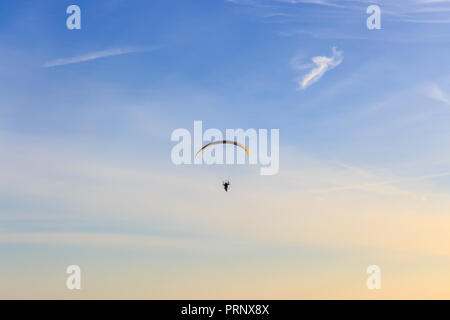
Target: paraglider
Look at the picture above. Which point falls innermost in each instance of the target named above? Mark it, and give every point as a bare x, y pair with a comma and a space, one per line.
226, 183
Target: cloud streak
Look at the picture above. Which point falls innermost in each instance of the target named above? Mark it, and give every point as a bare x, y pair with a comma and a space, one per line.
411, 11
96, 55
322, 65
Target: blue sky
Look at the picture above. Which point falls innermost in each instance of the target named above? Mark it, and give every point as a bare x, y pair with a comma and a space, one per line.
86, 117
219, 58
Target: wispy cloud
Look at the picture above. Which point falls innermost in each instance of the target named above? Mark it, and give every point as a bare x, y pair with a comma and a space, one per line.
322, 34
96, 55
435, 92
241, 1
317, 2
392, 182
433, 1
96, 239
322, 65
411, 11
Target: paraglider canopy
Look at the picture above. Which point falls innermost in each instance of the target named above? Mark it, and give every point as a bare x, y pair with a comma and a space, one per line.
223, 142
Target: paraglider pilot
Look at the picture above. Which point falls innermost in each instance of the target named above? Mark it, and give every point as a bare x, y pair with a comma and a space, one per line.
226, 184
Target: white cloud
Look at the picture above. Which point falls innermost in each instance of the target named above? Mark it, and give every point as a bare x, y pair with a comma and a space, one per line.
323, 64
435, 92
95, 55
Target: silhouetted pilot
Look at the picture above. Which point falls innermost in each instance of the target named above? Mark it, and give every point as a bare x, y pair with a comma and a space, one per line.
226, 184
